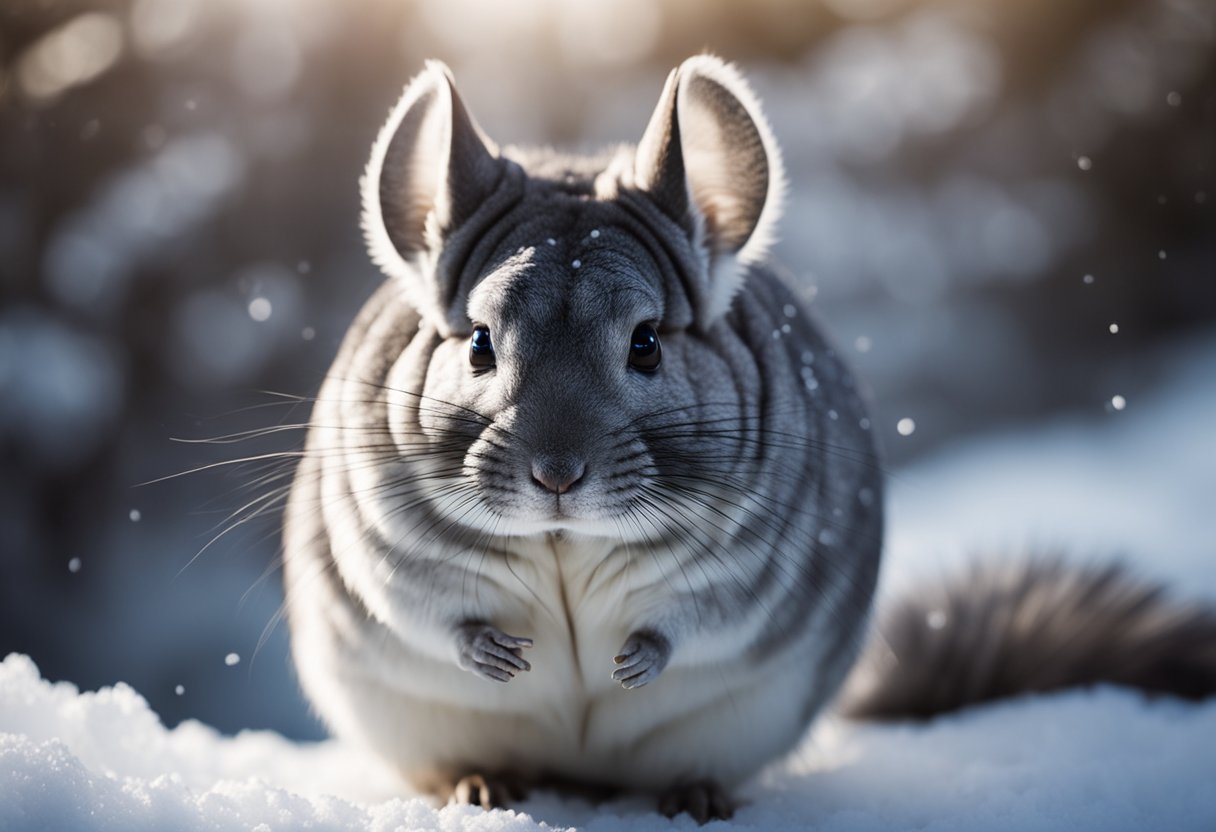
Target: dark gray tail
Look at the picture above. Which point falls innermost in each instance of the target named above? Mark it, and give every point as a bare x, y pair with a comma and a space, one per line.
1001, 629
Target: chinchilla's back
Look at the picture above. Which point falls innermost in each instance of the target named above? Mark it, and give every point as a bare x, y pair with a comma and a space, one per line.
587, 496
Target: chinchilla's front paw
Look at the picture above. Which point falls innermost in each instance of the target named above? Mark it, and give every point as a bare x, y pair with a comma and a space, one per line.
491, 653
641, 659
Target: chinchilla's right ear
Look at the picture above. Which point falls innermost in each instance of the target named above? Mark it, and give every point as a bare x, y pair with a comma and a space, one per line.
430, 171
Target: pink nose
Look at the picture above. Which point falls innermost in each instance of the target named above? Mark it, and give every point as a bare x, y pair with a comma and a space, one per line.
558, 478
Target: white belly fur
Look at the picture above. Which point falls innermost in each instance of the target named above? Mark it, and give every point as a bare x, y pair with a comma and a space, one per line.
566, 717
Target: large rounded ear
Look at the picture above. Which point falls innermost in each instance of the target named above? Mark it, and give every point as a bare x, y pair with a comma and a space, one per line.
709, 161
430, 169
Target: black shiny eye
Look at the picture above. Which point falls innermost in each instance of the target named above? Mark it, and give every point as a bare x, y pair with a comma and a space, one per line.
481, 350
644, 350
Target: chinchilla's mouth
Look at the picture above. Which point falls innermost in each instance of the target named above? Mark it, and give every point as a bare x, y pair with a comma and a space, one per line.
558, 522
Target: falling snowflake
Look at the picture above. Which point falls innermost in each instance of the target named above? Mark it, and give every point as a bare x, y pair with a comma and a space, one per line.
259, 309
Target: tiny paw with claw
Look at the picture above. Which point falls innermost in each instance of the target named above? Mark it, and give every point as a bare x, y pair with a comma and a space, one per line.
704, 801
641, 659
491, 653
487, 791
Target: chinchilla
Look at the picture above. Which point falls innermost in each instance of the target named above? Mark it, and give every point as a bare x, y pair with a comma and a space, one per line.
587, 497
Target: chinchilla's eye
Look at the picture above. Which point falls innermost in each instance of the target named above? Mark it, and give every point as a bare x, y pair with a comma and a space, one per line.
481, 350
644, 350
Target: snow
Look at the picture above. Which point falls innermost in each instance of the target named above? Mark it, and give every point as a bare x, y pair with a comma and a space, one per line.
1136, 483
1103, 760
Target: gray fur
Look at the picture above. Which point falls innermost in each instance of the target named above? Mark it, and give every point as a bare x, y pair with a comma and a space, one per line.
564, 570
1037, 625
674, 620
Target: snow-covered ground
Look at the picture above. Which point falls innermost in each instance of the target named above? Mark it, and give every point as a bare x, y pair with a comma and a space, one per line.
1137, 482
1103, 760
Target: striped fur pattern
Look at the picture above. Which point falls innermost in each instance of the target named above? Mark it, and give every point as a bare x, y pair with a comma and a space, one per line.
672, 621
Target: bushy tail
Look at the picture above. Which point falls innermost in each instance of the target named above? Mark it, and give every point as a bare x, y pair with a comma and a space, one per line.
1001, 629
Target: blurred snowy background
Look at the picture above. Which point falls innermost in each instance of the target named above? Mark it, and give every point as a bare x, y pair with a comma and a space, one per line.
1003, 211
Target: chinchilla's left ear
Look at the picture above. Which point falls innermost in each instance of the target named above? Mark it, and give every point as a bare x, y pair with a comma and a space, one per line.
709, 161
430, 171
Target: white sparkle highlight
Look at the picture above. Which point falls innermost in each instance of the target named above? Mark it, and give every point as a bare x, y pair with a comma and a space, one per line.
1118, 402
259, 309
74, 565
905, 426
809, 380
232, 659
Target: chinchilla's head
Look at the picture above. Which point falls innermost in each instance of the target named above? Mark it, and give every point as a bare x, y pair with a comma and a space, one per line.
571, 307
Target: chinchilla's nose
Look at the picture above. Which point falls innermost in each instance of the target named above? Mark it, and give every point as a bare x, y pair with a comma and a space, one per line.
557, 473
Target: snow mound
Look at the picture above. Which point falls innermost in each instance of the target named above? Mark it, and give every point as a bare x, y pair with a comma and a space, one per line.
1103, 759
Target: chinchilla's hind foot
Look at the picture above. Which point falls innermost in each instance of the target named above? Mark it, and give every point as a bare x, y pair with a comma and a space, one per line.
704, 800
487, 791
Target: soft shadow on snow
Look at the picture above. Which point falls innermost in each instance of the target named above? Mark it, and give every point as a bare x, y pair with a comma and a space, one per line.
1137, 483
